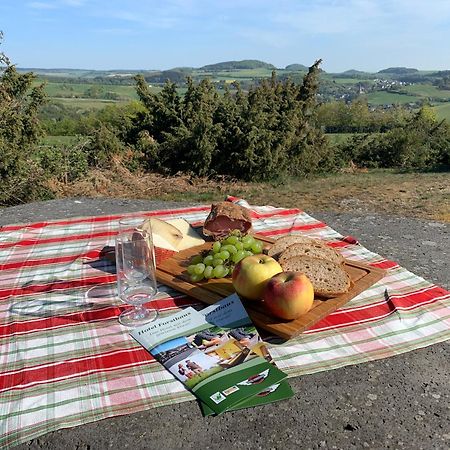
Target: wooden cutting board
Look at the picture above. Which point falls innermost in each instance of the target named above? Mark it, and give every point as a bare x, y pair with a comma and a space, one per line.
172, 272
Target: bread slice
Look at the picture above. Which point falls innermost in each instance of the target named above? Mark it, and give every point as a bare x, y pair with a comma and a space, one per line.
314, 249
284, 242
328, 278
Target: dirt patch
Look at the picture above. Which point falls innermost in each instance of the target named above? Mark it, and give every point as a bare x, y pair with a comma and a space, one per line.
424, 195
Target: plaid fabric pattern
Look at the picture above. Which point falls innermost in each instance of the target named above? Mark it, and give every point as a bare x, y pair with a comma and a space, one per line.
65, 360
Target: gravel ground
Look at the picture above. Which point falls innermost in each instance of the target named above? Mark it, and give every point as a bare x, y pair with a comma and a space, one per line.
397, 403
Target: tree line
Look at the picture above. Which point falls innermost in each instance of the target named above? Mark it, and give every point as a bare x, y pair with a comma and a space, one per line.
273, 130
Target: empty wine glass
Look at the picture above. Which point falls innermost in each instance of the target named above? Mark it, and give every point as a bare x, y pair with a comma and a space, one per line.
135, 265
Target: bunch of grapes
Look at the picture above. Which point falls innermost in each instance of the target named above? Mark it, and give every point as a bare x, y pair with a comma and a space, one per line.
221, 259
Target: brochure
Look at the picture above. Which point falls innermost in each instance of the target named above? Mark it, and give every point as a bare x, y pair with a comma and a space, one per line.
217, 354
221, 314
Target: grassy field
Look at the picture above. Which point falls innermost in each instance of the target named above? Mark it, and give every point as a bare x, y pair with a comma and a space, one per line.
61, 140
427, 91
423, 195
338, 138
443, 111
79, 90
387, 98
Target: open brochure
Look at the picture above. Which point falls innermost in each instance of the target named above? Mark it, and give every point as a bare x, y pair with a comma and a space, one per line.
218, 355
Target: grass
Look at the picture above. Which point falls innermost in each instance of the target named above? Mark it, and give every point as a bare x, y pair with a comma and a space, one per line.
387, 98
427, 91
424, 195
443, 111
60, 140
338, 138
201, 376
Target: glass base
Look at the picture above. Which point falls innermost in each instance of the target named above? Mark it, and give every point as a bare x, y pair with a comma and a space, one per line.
137, 316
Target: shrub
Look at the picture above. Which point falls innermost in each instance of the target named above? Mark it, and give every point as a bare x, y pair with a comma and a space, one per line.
20, 178
269, 132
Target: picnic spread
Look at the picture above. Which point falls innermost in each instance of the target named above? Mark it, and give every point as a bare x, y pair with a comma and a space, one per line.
65, 359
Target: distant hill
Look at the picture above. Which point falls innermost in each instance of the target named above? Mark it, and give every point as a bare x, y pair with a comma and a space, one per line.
299, 67
398, 70
238, 65
354, 72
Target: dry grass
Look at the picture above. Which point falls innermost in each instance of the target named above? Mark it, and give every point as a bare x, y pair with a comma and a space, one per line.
424, 195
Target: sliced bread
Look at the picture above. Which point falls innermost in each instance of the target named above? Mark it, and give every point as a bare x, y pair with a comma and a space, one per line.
314, 249
328, 278
284, 242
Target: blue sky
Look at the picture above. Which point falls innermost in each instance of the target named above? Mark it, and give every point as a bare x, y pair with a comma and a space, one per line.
148, 34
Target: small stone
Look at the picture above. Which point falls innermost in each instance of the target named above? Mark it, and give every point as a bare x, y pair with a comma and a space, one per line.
436, 396
372, 396
322, 443
418, 418
429, 243
436, 225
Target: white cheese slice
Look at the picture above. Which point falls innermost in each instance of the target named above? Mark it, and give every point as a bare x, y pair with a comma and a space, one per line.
190, 237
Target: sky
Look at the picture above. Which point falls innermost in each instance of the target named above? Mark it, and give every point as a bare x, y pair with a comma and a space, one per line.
162, 34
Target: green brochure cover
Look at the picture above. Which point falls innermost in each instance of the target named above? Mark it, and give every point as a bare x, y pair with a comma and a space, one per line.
217, 354
274, 393
221, 314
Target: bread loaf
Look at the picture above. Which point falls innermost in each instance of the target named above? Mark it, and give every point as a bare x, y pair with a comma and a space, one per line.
315, 250
328, 278
284, 242
226, 217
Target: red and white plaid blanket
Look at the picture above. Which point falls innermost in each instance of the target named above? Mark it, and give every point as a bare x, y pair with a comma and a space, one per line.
65, 360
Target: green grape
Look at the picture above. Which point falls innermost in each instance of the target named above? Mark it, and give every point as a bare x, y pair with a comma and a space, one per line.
199, 268
208, 273
248, 241
190, 269
257, 247
196, 259
239, 246
248, 253
216, 247
231, 240
197, 277
207, 260
217, 262
224, 255
231, 249
219, 271
238, 256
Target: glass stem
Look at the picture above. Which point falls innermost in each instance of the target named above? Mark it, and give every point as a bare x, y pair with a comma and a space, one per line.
139, 312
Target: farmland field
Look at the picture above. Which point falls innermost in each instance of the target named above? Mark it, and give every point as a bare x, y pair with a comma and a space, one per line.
387, 98
427, 90
443, 111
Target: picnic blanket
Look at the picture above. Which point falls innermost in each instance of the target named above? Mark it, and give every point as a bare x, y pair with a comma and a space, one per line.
65, 360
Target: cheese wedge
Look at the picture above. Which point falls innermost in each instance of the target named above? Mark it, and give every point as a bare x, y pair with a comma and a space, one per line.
190, 237
173, 235
165, 235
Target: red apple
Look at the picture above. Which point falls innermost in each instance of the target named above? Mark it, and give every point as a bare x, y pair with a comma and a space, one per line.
289, 295
251, 274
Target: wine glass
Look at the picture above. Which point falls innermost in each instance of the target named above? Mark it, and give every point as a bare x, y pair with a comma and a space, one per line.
135, 265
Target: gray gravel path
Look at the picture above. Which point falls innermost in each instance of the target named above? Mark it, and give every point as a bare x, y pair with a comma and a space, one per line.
396, 403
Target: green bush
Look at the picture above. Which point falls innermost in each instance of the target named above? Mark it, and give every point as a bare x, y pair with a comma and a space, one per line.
63, 163
268, 132
20, 178
422, 143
